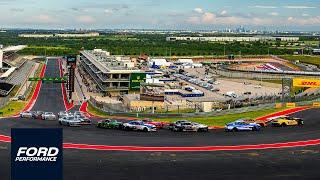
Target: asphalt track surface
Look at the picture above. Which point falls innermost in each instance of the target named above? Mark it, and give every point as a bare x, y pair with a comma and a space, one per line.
293, 163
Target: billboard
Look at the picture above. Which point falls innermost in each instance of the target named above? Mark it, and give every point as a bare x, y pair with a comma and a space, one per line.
136, 79
298, 82
71, 60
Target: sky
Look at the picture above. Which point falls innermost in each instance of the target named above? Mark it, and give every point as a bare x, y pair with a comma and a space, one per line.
295, 15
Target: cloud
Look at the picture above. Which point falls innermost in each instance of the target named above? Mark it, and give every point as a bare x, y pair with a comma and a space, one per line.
108, 11
304, 21
17, 9
43, 19
85, 19
193, 20
198, 10
274, 14
263, 7
223, 13
208, 18
299, 7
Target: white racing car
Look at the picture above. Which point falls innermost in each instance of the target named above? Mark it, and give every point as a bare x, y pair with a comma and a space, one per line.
64, 114
26, 114
69, 121
190, 126
48, 116
139, 126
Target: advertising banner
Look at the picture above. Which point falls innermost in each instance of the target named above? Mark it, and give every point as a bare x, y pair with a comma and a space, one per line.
136, 79
291, 105
298, 82
316, 104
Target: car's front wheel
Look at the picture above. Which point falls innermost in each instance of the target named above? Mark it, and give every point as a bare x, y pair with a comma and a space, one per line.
235, 130
145, 129
283, 125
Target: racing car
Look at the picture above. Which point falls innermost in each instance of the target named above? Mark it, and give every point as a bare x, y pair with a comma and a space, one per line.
170, 126
242, 126
190, 126
26, 114
247, 120
287, 121
48, 116
159, 125
110, 124
64, 114
69, 121
84, 120
37, 114
139, 126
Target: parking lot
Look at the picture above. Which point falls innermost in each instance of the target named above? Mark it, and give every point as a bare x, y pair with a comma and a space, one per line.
220, 87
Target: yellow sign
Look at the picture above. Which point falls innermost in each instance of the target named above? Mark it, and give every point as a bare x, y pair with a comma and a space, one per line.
316, 104
297, 82
278, 105
291, 105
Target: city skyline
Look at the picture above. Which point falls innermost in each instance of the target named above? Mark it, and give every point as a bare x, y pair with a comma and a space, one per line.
150, 14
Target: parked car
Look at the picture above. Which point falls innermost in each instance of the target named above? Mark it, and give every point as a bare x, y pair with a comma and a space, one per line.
26, 114
69, 121
139, 126
242, 126
48, 116
110, 124
22, 97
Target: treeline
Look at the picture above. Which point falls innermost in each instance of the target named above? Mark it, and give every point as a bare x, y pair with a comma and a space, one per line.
154, 45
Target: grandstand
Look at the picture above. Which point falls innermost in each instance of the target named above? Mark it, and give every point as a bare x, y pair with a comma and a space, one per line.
12, 68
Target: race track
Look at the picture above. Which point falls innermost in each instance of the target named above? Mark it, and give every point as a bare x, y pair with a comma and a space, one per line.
116, 165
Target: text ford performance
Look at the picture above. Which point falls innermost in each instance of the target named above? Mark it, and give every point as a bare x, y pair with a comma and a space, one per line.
41, 154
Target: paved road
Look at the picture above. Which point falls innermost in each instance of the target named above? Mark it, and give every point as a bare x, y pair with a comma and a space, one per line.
293, 163
50, 97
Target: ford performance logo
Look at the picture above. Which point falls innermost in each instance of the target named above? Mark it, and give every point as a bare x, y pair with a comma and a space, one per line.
36, 154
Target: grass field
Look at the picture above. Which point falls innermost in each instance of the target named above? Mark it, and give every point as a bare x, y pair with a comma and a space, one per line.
12, 108
306, 59
222, 120
208, 120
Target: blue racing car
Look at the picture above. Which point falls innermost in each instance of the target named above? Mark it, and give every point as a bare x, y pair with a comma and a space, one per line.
242, 126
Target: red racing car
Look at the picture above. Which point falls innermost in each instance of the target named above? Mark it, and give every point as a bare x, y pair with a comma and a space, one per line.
159, 125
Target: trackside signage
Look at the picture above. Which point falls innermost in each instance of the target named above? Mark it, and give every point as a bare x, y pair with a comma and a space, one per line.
297, 82
36, 154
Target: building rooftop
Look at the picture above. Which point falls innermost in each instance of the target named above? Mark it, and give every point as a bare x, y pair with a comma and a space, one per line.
107, 63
